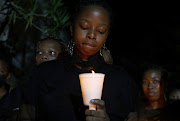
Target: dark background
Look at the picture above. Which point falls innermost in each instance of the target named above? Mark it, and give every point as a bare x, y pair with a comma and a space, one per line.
143, 33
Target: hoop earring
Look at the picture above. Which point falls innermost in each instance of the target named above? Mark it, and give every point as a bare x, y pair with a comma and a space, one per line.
71, 47
104, 48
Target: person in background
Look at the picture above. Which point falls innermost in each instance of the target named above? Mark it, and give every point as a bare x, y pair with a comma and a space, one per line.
174, 94
154, 105
5, 106
54, 89
50, 48
9, 97
7, 71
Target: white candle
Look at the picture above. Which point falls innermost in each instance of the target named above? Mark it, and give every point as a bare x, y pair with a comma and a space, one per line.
91, 87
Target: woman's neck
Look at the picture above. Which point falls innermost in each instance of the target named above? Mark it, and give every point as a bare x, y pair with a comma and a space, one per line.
156, 104
82, 56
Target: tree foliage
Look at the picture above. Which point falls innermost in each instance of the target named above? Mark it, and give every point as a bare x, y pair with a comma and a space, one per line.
46, 16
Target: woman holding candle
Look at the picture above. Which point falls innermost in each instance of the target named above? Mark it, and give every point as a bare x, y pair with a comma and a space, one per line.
57, 95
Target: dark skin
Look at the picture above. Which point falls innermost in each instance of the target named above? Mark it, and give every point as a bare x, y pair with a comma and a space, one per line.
3, 71
99, 114
154, 88
47, 50
89, 32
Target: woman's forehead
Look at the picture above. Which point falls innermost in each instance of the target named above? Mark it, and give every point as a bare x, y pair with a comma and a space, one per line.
95, 11
152, 73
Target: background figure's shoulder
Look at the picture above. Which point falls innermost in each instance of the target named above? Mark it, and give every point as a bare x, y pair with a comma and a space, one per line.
53, 64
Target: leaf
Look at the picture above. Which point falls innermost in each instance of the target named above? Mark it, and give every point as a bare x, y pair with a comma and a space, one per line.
35, 7
27, 25
30, 20
20, 12
14, 18
10, 17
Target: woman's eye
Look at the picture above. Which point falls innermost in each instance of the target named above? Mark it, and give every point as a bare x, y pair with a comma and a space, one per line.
156, 81
84, 25
102, 30
145, 82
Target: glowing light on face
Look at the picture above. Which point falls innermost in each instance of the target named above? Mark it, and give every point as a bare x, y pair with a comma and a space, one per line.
96, 13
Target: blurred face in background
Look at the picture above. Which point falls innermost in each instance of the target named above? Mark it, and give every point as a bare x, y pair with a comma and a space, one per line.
3, 72
175, 95
3, 68
47, 50
153, 86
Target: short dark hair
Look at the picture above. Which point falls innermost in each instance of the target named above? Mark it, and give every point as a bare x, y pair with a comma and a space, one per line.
162, 70
84, 3
62, 44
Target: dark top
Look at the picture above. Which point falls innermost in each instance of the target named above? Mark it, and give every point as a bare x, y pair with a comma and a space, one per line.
9, 104
55, 90
167, 113
5, 107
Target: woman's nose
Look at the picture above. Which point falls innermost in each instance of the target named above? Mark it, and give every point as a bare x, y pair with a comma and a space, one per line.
151, 85
92, 34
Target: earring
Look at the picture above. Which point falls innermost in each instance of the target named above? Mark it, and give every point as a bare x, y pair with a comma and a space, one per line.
104, 48
71, 47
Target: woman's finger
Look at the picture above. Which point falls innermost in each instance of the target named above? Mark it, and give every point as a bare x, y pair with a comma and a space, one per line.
98, 113
91, 118
99, 103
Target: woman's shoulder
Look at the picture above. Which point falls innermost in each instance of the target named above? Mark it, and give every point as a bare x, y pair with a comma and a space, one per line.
118, 74
114, 67
117, 69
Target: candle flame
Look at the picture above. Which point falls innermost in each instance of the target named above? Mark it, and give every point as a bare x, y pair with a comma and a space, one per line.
92, 71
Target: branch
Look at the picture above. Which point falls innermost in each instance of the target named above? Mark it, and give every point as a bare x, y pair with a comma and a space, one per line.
38, 28
40, 15
15, 6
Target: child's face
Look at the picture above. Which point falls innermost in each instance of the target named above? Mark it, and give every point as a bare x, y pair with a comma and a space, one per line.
175, 95
153, 86
90, 30
47, 50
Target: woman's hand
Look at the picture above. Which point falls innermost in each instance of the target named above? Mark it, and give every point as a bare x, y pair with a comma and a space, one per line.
99, 114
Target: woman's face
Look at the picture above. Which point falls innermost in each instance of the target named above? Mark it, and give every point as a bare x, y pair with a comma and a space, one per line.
4, 73
3, 68
153, 85
90, 30
47, 50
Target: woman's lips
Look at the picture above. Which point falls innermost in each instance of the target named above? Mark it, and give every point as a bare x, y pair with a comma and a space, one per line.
151, 93
88, 45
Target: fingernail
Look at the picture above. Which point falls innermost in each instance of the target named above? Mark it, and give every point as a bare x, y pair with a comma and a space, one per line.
92, 101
